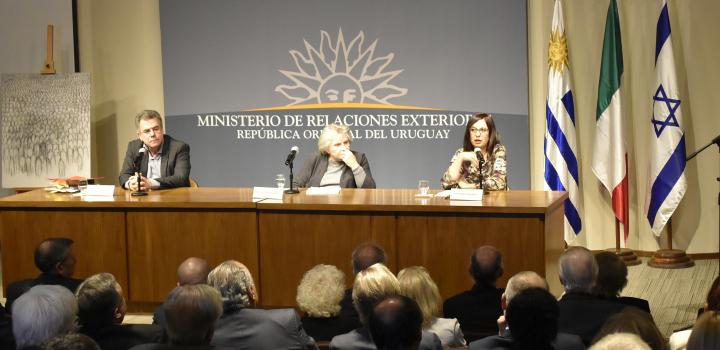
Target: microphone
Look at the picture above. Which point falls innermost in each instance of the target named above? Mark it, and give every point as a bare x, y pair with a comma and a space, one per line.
481, 159
138, 158
293, 152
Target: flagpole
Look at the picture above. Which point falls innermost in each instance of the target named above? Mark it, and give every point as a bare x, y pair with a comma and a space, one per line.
627, 255
670, 258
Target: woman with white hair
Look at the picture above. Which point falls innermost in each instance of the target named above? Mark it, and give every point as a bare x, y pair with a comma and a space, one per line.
336, 164
416, 284
318, 296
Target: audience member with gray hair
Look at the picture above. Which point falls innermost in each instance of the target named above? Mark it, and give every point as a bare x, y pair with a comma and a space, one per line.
620, 341
582, 313
72, 341
241, 326
477, 309
319, 295
371, 286
41, 313
190, 272
101, 310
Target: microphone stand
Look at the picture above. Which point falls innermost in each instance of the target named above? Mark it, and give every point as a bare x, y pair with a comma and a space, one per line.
291, 190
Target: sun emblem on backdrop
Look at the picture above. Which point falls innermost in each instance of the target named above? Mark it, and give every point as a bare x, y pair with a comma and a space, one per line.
557, 51
336, 72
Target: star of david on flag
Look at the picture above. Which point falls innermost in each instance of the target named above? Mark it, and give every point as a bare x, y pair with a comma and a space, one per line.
666, 184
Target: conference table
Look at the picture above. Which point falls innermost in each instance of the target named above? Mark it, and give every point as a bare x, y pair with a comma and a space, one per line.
142, 240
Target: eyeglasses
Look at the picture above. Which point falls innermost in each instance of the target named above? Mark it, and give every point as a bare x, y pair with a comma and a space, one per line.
481, 130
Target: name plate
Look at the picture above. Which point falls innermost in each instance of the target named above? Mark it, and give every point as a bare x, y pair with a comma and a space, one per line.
460, 194
100, 190
268, 192
323, 191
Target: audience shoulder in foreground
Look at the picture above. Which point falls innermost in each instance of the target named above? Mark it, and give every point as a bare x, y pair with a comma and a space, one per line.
478, 308
43, 312
101, 310
241, 326
190, 272
582, 313
620, 341
531, 315
371, 286
612, 279
318, 295
55, 259
191, 311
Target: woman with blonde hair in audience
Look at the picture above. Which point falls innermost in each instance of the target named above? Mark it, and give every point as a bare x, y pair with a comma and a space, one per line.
706, 332
416, 283
318, 296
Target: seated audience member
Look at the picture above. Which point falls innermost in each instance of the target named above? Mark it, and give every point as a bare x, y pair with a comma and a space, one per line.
365, 255
635, 321
241, 326
706, 332
544, 311
55, 259
478, 308
416, 283
620, 341
319, 295
41, 313
191, 312
396, 324
612, 278
371, 286
190, 272
678, 340
101, 310
72, 341
582, 313
6, 337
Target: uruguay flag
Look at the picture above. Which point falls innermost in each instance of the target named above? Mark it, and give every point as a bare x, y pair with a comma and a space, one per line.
561, 161
667, 182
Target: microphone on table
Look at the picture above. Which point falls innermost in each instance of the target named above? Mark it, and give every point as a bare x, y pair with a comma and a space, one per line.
137, 163
481, 160
293, 152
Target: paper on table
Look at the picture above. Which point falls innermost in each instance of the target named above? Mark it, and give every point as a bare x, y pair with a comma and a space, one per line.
268, 192
323, 191
100, 190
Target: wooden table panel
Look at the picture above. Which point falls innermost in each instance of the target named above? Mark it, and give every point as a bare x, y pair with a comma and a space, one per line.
159, 241
99, 241
293, 242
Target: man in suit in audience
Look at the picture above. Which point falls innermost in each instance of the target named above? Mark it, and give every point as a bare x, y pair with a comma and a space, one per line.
101, 310
582, 313
365, 255
477, 309
164, 162
243, 327
612, 278
371, 286
192, 271
191, 312
55, 259
518, 283
396, 323
43, 312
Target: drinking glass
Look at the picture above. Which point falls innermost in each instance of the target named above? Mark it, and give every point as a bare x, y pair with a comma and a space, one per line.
423, 187
280, 181
82, 186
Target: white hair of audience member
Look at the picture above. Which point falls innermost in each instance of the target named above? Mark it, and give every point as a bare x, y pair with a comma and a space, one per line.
330, 133
41, 313
370, 287
578, 269
235, 284
521, 281
321, 290
620, 341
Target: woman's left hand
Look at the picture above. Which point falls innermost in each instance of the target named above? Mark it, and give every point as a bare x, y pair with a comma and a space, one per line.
349, 158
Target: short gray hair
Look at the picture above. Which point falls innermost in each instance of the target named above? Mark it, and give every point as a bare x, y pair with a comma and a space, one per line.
578, 269
523, 280
624, 341
191, 312
235, 284
41, 313
321, 290
147, 115
329, 133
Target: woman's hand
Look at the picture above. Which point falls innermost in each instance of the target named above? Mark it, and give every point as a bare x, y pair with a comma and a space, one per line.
464, 184
349, 158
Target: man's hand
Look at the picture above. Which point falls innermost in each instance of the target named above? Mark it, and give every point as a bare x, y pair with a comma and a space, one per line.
139, 183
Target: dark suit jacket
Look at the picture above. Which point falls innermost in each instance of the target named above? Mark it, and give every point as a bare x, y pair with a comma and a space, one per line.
315, 168
16, 289
159, 316
584, 314
261, 329
477, 309
174, 163
156, 346
324, 329
563, 341
639, 303
359, 339
123, 337
7, 339
347, 309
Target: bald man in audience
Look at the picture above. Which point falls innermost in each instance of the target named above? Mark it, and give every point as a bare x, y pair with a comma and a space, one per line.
192, 271
365, 255
477, 309
396, 323
582, 313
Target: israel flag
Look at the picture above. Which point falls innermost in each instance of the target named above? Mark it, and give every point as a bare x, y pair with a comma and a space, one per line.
561, 160
667, 182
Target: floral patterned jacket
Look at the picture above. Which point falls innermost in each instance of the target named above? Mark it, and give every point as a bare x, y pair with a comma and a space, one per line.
494, 171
